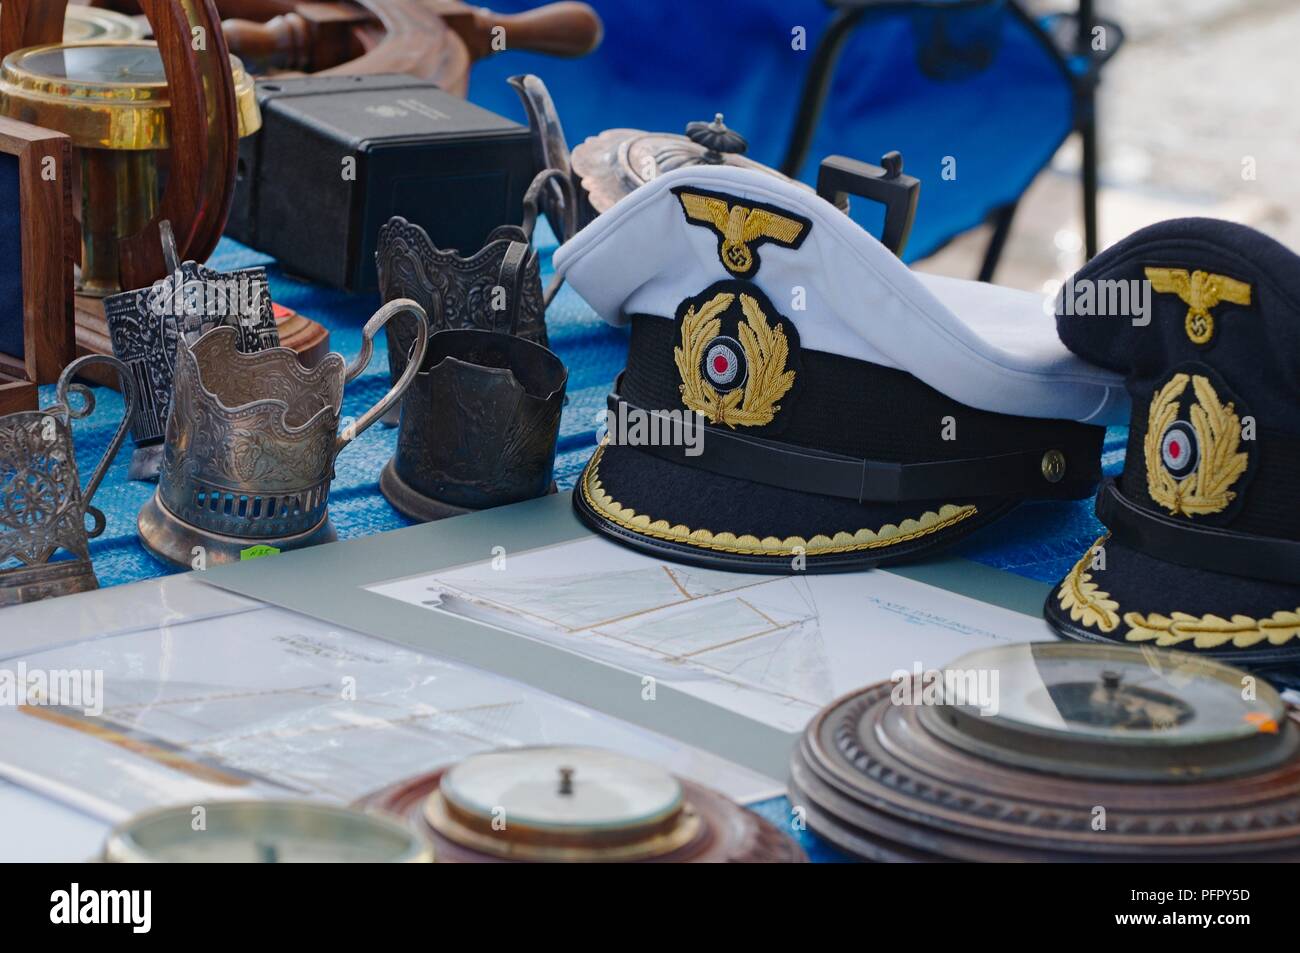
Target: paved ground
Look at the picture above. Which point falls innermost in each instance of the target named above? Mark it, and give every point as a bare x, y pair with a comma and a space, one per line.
1201, 95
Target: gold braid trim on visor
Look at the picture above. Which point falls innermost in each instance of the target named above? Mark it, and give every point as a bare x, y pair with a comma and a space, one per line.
1084, 598
821, 545
1095, 609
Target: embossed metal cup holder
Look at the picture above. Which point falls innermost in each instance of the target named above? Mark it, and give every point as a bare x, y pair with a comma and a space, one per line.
497, 288
145, 324
251, 444
478, 426
44, 539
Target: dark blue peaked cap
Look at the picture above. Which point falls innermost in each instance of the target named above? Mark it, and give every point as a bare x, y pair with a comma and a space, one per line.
1202, 551
1256, 346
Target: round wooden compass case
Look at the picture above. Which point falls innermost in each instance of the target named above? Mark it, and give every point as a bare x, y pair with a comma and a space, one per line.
577, 805
1057, 752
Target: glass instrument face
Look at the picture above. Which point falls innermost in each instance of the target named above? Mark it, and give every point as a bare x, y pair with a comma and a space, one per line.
264, 832
562, 789
1119, 695
129, 64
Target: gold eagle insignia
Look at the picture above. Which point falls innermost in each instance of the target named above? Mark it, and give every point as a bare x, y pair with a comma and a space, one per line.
1220, 462
766, 351
739, 227
1200, 291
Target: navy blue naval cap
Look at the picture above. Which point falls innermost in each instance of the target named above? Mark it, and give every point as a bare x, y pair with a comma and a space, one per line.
1202, 548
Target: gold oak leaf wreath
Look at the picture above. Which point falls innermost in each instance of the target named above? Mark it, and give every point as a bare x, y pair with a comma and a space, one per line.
1084, 599
1218, 433
766, 351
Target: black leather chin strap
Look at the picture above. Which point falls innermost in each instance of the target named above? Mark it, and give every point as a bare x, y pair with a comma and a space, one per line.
803, 470
1197, 546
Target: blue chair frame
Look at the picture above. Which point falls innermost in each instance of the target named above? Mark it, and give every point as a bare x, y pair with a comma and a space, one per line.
1068, 36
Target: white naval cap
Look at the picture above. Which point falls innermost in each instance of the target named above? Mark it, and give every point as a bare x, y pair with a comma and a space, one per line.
986, 346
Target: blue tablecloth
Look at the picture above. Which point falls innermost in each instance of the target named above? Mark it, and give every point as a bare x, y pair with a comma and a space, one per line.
1040, 540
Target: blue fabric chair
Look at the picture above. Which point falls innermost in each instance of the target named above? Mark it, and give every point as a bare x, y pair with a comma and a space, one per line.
976, 94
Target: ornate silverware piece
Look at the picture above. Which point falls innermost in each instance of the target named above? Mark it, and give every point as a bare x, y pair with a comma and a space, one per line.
479, 426
144, 326
498, 288
251, 444
43, 507
411, 266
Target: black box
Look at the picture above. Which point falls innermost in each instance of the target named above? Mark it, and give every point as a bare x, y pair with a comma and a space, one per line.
337, 156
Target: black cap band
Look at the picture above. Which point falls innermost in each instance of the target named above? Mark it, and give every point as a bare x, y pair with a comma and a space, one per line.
733, 454
1183, 543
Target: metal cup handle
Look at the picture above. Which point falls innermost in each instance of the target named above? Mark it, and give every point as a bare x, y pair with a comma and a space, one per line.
64, 389
359, 364
533, 195
569, 226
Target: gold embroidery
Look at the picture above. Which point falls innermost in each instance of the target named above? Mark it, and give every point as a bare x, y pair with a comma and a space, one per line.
738, 226
1097, 610
1212, 631
1218, 435
1084, 598
766, 351
820, 545
1206, 632
1200, 291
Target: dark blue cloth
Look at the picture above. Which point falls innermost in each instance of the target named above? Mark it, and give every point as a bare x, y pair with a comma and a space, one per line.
972, 96
11, 262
